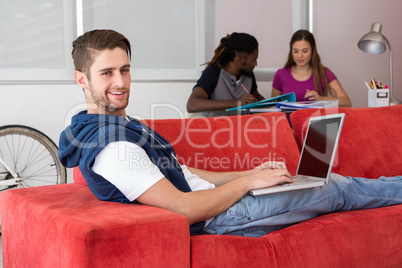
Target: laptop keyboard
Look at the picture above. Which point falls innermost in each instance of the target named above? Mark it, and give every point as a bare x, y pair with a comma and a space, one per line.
297, 180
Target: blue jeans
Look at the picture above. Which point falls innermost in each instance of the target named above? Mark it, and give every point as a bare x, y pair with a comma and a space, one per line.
257, 216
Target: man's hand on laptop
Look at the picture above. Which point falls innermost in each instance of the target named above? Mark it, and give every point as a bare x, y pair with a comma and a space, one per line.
262, 177
268, 174
272, 165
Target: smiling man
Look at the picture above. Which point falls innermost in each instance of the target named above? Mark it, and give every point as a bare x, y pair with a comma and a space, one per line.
125, 161
106, 83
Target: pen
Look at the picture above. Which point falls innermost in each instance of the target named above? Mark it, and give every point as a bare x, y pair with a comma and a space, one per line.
245, 89
373, 81
367, 85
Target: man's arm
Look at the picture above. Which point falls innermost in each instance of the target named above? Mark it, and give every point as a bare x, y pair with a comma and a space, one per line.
199, 101
128, 167
258, 96
220, 178
198, 206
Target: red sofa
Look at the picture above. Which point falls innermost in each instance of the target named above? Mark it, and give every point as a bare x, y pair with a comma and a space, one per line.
67, 226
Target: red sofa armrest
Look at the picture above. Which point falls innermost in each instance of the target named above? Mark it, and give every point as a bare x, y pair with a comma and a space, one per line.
67, 226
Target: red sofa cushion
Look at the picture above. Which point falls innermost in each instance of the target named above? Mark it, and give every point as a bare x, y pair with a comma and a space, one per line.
370, 142
361, 238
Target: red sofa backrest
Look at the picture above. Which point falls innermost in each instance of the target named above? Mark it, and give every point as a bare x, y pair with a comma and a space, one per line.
230, 142
227, 143
370, 142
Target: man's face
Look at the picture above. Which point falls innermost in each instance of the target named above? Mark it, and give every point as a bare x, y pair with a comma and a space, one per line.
249, 63
108, 89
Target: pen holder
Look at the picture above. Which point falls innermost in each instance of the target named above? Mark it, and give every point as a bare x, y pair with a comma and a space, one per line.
378, 97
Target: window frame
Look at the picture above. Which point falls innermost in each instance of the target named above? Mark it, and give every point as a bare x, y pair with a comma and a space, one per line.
31, 76
72, 11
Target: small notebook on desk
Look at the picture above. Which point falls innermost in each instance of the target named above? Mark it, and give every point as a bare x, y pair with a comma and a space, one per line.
290, 97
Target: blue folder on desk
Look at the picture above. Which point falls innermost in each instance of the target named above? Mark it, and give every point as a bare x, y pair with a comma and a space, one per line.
289, 97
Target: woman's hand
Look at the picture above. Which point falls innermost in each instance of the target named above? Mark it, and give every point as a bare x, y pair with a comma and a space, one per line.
312, 95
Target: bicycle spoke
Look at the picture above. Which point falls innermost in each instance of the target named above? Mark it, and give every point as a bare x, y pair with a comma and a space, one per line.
43, 170
31, 154
34, 160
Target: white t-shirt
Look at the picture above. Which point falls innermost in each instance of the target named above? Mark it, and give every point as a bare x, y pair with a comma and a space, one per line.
128, 167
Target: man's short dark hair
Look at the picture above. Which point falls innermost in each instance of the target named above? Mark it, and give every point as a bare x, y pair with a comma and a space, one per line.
88, 45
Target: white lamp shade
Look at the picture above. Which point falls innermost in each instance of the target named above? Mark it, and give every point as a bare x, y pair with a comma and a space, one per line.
373, 42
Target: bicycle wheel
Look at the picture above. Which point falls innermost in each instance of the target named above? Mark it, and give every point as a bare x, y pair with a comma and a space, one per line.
29, 155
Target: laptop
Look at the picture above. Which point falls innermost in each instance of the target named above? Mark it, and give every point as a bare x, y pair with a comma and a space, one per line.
317, 155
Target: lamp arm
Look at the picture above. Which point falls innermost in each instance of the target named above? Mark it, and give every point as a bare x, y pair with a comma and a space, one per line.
390, 67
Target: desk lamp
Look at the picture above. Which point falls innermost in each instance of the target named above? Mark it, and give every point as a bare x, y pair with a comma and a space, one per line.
374, 43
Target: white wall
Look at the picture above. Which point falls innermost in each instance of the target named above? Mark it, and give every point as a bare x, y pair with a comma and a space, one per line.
338, 26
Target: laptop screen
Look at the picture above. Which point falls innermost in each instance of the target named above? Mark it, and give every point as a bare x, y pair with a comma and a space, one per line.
320, 143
